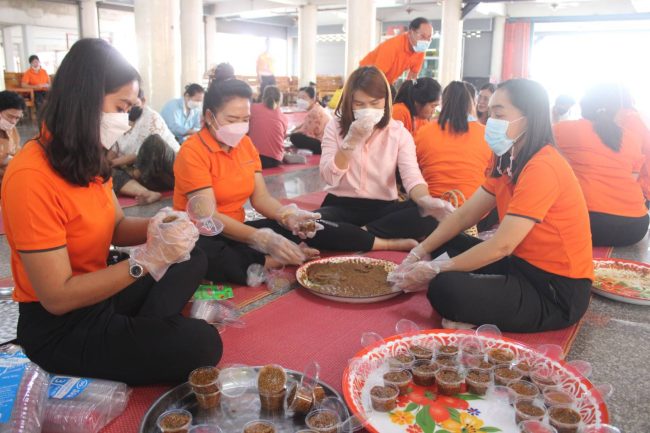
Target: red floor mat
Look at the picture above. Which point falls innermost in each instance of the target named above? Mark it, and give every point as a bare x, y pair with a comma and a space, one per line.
312, 161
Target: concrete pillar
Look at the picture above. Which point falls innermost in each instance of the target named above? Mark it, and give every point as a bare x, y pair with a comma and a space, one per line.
451, 42
7, 41
361, 37
88, 19
307, 29
192, 42
496, 62
157, 25
29, 45
210, 41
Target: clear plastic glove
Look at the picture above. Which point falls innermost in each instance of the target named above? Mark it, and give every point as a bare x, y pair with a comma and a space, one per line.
171, 236
434, 207
359, 131
415, 277
415, 255
281, 249
302, 223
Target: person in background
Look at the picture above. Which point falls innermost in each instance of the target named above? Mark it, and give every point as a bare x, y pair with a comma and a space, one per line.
452, 152
183, 115
484, 94
223, 71
143, 158
403, 52
535, 273
606, 159
79, 316
309, 134
562, 109
265, 68
268, 127
12, 106
36, 78
629, 118
416, 102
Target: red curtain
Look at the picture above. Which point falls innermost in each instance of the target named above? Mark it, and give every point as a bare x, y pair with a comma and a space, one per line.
516, 50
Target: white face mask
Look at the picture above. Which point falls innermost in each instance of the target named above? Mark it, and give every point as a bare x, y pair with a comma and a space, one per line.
303, 104
5, 125
376, 114
230, 134
112, 126
194, 105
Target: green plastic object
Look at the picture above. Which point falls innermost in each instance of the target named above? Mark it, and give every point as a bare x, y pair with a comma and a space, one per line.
213, 292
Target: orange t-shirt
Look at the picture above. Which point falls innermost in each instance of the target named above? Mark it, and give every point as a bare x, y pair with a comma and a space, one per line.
35, 78
401, 112
202, 163
393, 57
631, 120
606, 176
548, 192
452, 161
42, 211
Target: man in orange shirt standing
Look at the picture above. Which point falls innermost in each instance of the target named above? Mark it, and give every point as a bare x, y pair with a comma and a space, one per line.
402, 52
36, 78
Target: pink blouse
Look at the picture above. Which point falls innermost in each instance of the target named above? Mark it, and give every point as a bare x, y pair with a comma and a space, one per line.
267, 130
371, 171
315, 122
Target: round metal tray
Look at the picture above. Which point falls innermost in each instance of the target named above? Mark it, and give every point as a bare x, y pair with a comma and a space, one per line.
232, 414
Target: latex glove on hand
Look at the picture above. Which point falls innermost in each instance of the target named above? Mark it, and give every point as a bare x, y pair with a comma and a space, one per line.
416, 276
280, 248
300, 222
415, 255
434, 207
360, 130
171, 236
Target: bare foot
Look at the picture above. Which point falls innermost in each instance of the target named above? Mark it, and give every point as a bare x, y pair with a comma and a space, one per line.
394, 244
450, 324
148, 197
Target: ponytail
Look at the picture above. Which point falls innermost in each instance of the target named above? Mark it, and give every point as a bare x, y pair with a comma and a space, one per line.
600, 105
271, 97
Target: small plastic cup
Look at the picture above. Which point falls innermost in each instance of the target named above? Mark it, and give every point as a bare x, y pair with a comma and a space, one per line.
323, 421
399, 378
421, 352
447, 361
424, 372
384, 398
498, 356
208, 401
524, 389
555, 397
447, 351
204, 380
402, 360
524, 367
528, 409
259, 426
544, 378
271, 385
175, 421
505, 375
471, 352
478, 380
564, 418
449, 380
532, 426
272, 401
206, 428
299, 399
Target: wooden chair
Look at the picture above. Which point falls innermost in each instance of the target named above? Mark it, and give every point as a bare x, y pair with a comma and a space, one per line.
252, 81
288, 90
12, 83
328, 84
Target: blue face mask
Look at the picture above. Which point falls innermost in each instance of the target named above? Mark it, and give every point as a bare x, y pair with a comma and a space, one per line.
495, 135
471, 118
421, 46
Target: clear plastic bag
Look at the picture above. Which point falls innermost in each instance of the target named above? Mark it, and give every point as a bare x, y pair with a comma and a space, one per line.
79, 405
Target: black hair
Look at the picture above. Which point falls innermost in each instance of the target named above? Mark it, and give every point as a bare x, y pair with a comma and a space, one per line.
33, 57
488, 86
223, 71
531, 99
416, 23
600, 105
422, 91
11, 101
271, 96
71, 115
310, 91
456, 102
193, 88
220, 92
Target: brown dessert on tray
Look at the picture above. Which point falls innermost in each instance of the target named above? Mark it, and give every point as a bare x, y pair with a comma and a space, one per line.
421, 352
352, 279
565, 419
400, 379
259, 427
478, 380
323, 421
384, 398
424, 373
175, 421
523, 388
271, 384
500, 356
528, 410
204, 383
449, 381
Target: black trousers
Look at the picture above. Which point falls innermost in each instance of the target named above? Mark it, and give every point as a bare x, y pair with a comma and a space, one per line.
138, 336
511, 294
268, 162
617, 231
302, 141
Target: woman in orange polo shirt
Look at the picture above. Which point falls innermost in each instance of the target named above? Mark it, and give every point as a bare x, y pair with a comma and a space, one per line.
452, 152
416, 102
606, 159
535, 273
79, 316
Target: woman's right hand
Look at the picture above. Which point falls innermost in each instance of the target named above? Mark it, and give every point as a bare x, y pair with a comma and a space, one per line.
360, 130
280, 248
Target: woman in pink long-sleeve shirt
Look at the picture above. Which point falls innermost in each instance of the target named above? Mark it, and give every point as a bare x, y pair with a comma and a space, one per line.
362, 149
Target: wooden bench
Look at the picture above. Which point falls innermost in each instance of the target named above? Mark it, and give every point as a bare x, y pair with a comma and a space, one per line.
326, 85
13, 83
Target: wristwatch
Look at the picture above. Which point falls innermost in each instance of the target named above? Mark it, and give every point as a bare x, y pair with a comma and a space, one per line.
135, 269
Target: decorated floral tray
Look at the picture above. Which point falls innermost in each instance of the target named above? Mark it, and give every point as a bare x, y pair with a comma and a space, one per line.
622, 280
422, 410
336, 286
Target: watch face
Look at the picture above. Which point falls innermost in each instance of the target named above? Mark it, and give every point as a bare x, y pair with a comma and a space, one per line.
136, 271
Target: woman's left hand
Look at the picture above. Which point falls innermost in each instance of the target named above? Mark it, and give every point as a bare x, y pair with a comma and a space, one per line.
416, 276
434, 207
302, 223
